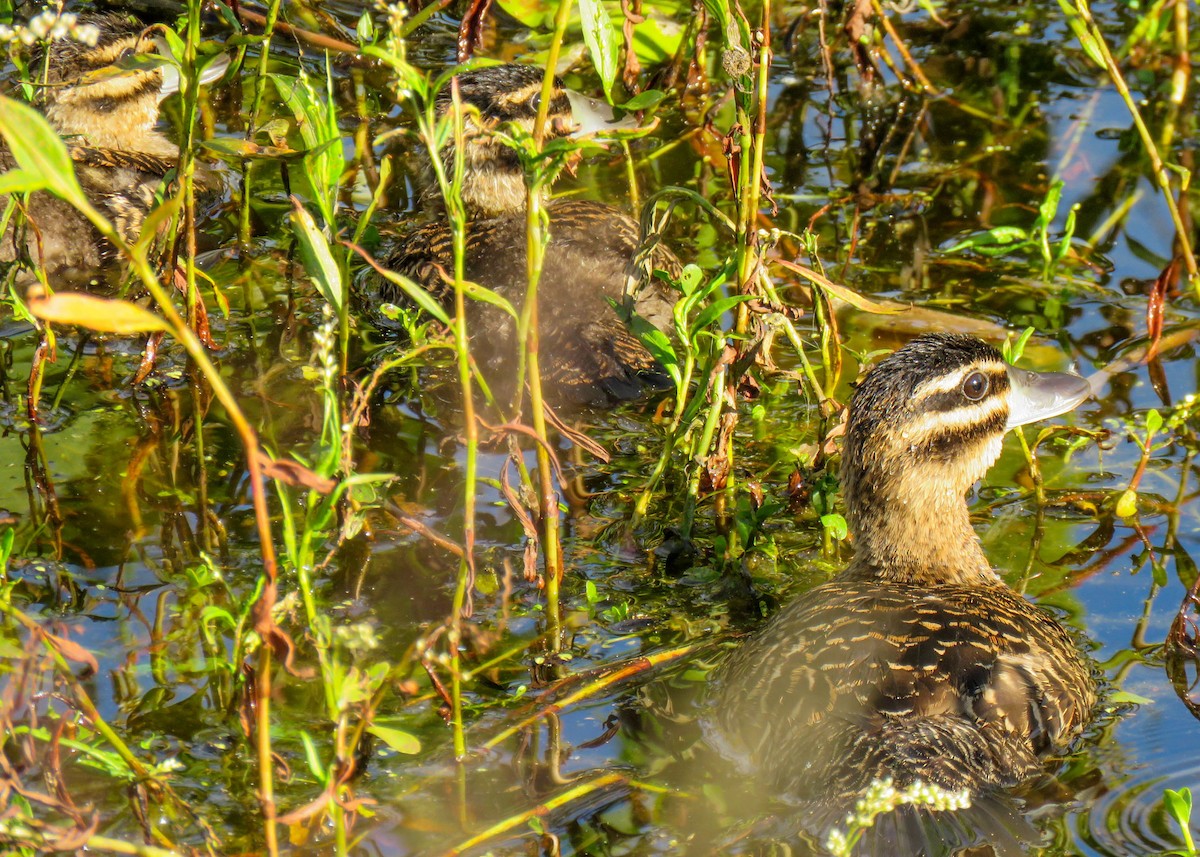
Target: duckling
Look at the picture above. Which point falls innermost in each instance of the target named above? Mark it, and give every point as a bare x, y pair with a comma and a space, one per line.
105, 104
588, 355
917, 662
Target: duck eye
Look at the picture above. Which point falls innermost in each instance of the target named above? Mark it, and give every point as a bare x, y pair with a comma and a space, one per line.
535, 103
975, 386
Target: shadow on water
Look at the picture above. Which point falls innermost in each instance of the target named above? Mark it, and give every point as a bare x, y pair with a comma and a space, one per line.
136, 538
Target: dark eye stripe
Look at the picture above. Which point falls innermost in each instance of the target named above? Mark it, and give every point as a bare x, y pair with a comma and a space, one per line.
948, 444
949, 400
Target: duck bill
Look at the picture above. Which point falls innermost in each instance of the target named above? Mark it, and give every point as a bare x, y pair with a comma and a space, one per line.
214, 69
593, 116
1037, 396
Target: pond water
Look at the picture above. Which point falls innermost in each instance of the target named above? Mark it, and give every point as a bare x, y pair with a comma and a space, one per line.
135, 534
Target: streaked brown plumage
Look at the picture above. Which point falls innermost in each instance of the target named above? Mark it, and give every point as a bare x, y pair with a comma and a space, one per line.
588, 355
106, 108
917, 662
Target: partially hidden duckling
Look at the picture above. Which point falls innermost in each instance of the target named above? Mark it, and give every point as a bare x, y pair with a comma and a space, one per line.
588, 355
103, 99
916, 663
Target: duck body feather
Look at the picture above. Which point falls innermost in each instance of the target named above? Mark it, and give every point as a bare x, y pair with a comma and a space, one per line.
588, 354
961, 686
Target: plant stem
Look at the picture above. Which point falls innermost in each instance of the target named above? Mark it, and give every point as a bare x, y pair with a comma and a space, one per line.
1161, 173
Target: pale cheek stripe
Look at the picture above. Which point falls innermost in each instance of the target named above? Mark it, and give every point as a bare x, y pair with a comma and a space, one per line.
965, 417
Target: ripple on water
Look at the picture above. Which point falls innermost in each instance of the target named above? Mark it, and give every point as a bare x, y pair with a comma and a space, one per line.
1129, 818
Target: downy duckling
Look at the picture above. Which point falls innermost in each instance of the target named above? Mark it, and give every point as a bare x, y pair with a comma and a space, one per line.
587, 354
916, 663
104, 101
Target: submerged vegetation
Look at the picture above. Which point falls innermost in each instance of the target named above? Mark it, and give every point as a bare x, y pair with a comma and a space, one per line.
278, 578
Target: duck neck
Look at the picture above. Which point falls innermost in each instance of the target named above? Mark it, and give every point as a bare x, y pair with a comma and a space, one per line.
911, 529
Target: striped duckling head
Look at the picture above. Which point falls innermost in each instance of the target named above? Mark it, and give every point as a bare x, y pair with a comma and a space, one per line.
107, 95
492, 96
926, 424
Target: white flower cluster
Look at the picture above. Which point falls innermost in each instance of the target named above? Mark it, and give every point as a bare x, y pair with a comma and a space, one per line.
50, 25
882, 796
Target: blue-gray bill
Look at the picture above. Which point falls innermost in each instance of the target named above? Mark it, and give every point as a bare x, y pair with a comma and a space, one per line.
593, 116
1037, 396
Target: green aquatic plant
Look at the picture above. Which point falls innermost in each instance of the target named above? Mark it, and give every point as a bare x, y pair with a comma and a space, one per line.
881, 797
1179, 806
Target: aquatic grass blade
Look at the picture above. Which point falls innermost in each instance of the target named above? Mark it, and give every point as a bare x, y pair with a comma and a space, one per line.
317, 256
601, 39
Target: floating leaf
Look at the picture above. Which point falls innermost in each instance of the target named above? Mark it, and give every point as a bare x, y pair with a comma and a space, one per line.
999, 238
103, 314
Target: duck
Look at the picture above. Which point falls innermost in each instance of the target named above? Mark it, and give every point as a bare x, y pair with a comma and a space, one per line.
916, 663
103, 99
588, 355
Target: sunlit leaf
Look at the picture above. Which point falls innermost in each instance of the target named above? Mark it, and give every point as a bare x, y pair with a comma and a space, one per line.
836, 526
1178, 804
601, 39
317, 256
1124, 696
840, 292
715, 310
103, 314
1127, 505
40, 152
397, 739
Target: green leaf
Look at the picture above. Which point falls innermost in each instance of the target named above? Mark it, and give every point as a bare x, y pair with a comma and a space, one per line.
999, 237
313, 757
1127, 505
600, 36
1122, 697
835, 525
1154, 422
1013, 350
715, 310
593, 594
1049, 206
6, 546
397, 739
1179, 804
317, 256
644, 100
40, 153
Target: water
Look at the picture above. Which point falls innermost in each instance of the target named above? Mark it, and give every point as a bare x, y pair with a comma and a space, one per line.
105, 497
